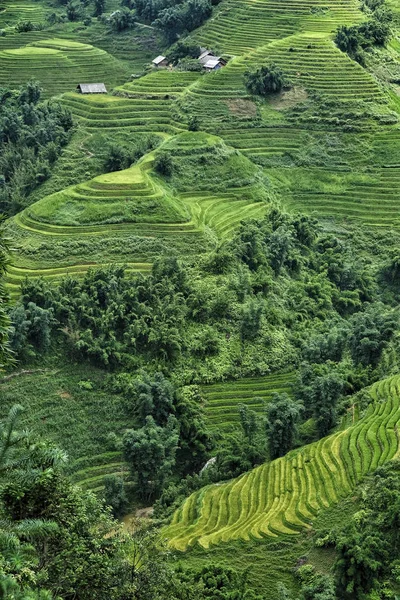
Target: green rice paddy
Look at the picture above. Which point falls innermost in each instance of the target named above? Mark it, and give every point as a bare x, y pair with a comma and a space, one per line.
334, 153
60, 65
223, 399
283, 497
131, 216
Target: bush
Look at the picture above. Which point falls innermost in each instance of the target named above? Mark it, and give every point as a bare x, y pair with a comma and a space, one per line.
122, 19
163, 164
74, 11
265, 80
115, 495
24, 26
193, 123
189, 64
183, 49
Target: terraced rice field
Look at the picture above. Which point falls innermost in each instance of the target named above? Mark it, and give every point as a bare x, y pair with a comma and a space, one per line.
121, 197
145, 105
160, 83
13, 12
371, 198
284, 496
311, 61
89, 473
223, 399
239, 26
128, 217
144, 115
59, 65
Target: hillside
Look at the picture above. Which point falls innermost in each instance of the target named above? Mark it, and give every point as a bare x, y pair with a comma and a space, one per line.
284, 496
199, 292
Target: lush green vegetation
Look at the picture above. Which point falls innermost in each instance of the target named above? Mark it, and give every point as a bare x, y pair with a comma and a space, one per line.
203, 269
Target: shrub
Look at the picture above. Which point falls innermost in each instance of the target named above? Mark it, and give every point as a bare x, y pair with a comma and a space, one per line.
24, 26
189, 64
183, 49
122, 19
163, 164
193, 123
265, 80
99, 6
74, 11
115, 495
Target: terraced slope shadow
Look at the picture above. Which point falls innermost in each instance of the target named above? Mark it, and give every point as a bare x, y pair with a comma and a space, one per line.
283, 496
133, 216
222, 399
242, 25
59, 65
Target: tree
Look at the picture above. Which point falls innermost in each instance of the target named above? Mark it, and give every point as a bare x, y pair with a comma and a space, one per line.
153, 396
195, 439
151, 452
193, 123
74, 10
122, 19
30, 93
163, 164
115, 494
183, 49
24, 26
249, 422
117, 158
251, 319
282, 417
371, 333
197, 11
360, 563
171, 22
99, 7
325, 392
10, 438
5, 356
265, 80
31, 327
174, 20
346, 39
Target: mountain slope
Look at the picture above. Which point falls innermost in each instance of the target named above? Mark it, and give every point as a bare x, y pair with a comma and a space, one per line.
284, 496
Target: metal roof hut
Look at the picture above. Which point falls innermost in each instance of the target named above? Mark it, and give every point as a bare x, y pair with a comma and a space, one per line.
205, 56
214, 63
160, 61
92, 88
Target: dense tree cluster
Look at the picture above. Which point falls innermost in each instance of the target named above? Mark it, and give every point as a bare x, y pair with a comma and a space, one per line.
4, 317
267, 79
368, 548
354, 40
57, 541
174, 18
32, 135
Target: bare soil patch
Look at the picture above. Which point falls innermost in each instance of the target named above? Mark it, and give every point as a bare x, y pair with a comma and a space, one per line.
241, 107
288, 98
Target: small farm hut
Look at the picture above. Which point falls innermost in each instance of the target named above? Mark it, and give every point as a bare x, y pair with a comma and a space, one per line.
160, 61
205, 56
214, 63
92, 88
